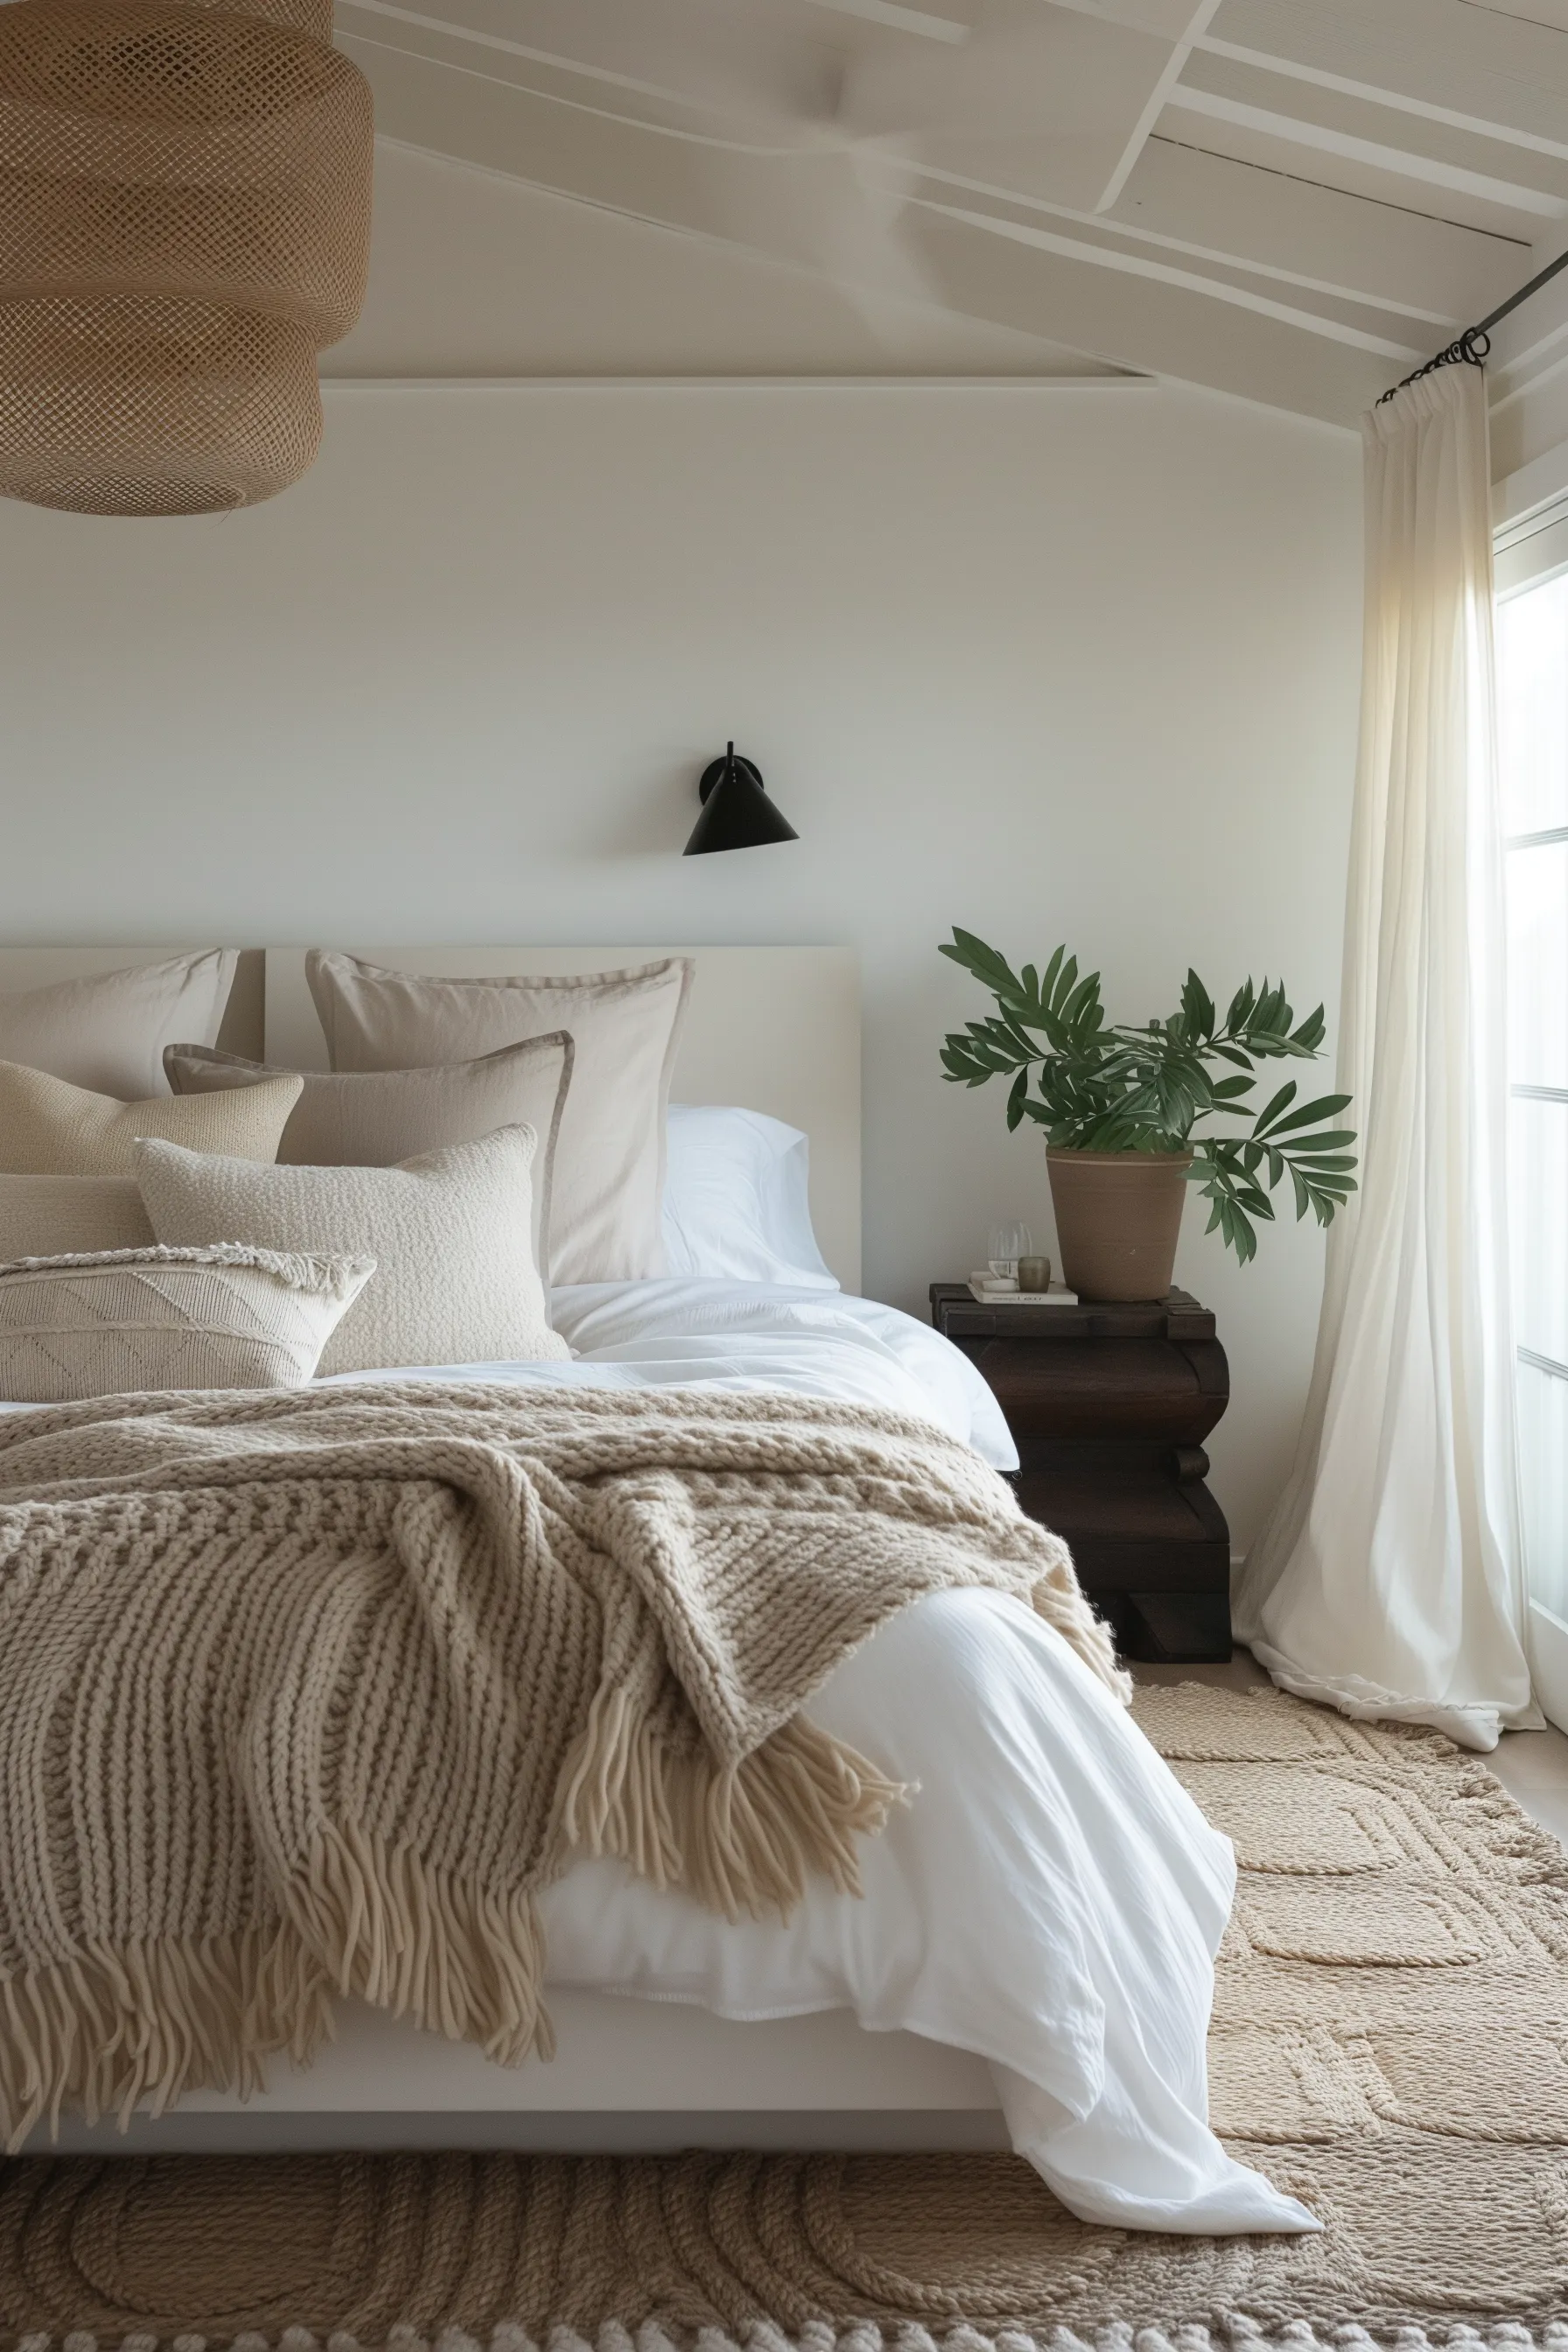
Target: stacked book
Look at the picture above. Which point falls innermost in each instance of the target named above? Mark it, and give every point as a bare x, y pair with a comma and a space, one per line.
999, 1290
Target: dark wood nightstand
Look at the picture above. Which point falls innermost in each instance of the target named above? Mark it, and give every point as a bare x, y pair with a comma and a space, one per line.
1109, 1406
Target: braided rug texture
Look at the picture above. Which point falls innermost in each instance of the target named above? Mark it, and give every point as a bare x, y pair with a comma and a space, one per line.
312, 1691
1390, 2042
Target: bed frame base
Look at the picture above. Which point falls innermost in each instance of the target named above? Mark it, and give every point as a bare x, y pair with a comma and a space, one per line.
629, 2077
890, 2130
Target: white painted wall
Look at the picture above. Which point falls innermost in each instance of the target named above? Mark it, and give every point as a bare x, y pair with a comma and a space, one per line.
1047, 661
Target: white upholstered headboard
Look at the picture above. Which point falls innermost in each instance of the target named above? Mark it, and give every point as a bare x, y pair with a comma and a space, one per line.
776, 1029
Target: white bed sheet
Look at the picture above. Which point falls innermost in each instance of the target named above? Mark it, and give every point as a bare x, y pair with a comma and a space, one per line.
1050, 1898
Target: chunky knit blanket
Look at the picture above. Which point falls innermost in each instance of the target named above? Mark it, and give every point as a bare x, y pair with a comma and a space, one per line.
310, 1691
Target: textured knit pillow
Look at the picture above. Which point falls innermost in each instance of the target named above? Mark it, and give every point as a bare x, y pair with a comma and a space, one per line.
114, 1322
456, 1282
52, 1216
608, 1190
48, 1128
373, 1119
108, 1032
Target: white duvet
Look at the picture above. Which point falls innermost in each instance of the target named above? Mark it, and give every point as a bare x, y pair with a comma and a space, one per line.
1050, 1898
683, 1332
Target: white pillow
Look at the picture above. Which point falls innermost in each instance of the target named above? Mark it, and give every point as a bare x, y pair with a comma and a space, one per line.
456, 1278
108, 1032
120, 1322
736, 1200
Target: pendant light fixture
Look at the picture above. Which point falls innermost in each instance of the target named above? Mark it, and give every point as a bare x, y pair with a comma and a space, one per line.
736, 812
185, 221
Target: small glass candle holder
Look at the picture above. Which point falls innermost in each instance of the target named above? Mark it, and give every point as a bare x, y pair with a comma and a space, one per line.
1034, 1273
1007, 1244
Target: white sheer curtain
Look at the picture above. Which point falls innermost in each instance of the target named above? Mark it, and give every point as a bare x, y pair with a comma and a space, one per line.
1388, 1580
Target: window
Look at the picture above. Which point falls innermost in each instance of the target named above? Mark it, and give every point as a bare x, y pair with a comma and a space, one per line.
1532, 689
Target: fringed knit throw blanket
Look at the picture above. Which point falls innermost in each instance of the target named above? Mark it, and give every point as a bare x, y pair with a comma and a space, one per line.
312, 1692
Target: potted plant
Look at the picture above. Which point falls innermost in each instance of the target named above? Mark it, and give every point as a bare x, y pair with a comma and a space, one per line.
1120, 1104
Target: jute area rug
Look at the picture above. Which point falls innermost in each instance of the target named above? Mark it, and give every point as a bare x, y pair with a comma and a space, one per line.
1390, 2042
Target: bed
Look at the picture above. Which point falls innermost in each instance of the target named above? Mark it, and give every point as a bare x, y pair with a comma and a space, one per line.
1031, 1962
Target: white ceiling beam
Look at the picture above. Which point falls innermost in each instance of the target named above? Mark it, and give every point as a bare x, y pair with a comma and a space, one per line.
919, 21
1430, 174
1398, 329
1075, 87
1271, 149
1506, 133
1152, 327
1435, 146
1139, 136
1450, 59
1171, 19
1220, 285
1066, 292
1318, 236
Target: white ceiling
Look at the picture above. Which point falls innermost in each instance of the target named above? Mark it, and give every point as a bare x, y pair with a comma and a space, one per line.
1293, 200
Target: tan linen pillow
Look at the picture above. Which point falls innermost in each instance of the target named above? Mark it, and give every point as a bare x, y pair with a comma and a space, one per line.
54, 1216
373, 1119
607, 1198
108, 1032
456, 1278
50, 1128
120, 1322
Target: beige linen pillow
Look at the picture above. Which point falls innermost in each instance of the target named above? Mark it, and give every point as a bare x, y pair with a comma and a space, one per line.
373, 1119
50, 1128
53, 1216
607, 1198
120, 1322
108, 1032
455, 1280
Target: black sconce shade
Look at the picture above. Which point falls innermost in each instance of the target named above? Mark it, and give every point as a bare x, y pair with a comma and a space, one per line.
736, 812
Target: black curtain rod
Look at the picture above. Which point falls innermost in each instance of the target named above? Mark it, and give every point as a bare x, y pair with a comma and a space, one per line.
1473, 345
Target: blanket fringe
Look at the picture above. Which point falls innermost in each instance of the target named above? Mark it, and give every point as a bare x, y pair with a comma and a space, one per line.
458, 1958
119, 2026
1239, 2333
741, 1838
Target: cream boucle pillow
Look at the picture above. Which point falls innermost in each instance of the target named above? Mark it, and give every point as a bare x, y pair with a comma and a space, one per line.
115, 1322
456, 1281
48, 1128
47, 1217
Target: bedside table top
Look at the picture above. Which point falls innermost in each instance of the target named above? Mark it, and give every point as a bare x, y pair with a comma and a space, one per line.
958, 1314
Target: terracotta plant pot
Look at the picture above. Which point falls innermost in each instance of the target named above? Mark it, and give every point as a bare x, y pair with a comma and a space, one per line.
1118, 1216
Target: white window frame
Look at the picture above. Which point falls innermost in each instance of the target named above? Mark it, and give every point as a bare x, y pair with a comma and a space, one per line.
1530, 550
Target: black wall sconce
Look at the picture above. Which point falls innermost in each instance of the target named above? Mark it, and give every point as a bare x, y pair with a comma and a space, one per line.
736, 812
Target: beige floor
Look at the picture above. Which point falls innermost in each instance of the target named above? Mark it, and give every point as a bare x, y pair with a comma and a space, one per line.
1531, 1765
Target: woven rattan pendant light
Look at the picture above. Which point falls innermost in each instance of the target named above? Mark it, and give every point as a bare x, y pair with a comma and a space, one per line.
185, 221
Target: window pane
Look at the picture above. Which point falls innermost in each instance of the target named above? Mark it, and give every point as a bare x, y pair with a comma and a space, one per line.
1533, 706
1538, 962
1538, 1225
1543, 1471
